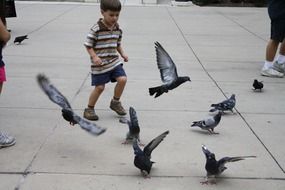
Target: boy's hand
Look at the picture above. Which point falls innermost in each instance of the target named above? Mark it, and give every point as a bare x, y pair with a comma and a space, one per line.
125, 57
96, 60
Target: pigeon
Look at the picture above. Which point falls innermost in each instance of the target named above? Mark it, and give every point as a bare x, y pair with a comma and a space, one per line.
134, 128
67, 112
168, 73
257, 85
214, 167
209, 123
225, 105
142, 157
19, 39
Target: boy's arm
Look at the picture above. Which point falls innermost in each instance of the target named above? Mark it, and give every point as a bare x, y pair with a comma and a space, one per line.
95, 59
122, 53
4, 34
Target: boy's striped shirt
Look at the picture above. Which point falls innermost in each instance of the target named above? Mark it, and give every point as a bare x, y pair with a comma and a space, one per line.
104, 42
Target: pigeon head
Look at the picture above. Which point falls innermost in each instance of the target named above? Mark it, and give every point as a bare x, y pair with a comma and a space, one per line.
233, 96
186, 78
209, 155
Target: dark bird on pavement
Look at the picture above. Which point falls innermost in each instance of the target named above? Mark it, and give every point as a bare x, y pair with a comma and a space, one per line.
134, 128
209, 123
19, 39
168, 73
67, 112
257, 85
142, 158
214, 167
225, 105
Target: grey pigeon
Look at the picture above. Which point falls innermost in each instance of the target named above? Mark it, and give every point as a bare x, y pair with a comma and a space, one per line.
225, 105
142, 157
214, 167
168, 73
134, 128
209, 123
67, 112
19, 39
257, 85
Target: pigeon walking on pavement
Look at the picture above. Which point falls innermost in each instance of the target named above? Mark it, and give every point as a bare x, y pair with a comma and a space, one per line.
142, 157
257, 85
19, 39
168, 73
214, 167
209, 123
67, 112
134, 128
225, 105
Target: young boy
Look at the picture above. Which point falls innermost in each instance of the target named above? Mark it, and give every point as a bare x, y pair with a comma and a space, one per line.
276, 11
5, 140
103, 43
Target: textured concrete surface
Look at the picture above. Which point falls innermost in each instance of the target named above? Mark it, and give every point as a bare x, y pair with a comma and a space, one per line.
221, 49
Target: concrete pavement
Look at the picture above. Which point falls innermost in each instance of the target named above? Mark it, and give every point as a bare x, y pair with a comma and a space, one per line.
221, 49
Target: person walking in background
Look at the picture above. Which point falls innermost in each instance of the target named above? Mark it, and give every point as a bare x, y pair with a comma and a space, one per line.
5, 139
271, 68
103, 44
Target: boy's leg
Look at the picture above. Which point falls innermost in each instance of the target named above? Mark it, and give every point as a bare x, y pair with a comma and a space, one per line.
267, 69
115, 102
89, 113
1, 85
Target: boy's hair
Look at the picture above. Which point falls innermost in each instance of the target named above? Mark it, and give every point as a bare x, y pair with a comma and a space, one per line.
111, 5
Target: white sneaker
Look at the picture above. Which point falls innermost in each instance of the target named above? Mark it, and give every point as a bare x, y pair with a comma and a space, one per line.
280, 67
6, 140
270, 72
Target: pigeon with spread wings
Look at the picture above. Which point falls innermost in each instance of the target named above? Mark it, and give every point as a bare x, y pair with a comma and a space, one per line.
168, 73
142, 157
214, 167
134, 128
67, 112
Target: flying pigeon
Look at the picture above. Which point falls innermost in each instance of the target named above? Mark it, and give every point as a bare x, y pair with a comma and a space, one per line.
67, 112
214, 167
142, 157
257, 85
134, 128
168, 73
19, 39
209, 123
225, 105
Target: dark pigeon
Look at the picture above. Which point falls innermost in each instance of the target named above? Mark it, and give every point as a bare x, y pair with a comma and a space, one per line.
142, 157
225, 105
168, 73
257, 85
67, 112
134, 128
214, 167
19, 39
209, 123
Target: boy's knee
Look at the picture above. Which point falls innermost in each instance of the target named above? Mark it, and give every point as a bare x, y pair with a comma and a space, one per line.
100, 88
122, 80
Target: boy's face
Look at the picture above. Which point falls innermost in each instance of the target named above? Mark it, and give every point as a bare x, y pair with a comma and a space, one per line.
110, 17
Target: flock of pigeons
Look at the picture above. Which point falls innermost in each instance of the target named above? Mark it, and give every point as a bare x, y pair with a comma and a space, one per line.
171, 80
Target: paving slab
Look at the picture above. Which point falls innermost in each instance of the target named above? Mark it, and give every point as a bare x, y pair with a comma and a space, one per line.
221, 49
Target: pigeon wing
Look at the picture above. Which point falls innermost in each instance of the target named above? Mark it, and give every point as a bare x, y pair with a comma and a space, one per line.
137, 149
88, 126
154, 143
209, 121
166, 66
134, 124
224, 160
53, 94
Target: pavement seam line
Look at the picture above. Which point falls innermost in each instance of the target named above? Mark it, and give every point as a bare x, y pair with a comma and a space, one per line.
215, 82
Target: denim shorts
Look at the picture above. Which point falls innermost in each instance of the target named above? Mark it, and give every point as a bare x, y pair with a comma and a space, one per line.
101, 79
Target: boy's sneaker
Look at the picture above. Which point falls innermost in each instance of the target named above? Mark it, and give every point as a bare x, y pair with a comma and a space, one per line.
117, 107
280, 67
6, 140
270, 72
90, 114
